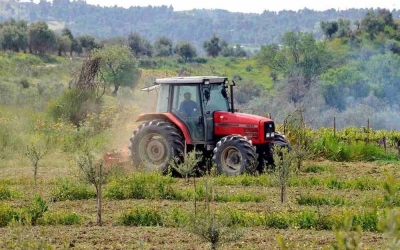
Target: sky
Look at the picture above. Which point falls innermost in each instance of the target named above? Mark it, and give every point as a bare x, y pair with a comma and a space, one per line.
253, 6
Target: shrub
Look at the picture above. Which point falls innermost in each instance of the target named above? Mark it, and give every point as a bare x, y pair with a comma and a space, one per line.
277, 220
6, 215
5, 192
34, 212
24, 83
66, 189
142, 216
201, 60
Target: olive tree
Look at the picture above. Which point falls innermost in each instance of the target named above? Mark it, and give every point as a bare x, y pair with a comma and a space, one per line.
186, 51
118, 65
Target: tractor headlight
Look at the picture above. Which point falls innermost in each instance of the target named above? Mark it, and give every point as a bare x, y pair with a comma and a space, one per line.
269, 130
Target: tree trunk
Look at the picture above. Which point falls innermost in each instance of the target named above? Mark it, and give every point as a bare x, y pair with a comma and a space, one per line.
116, 87
99, 205
99, 196
283, 193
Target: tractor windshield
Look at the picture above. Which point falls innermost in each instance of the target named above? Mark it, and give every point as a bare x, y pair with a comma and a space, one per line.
217, 100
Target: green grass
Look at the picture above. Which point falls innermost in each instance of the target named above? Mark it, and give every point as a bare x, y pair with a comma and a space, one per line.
315, 200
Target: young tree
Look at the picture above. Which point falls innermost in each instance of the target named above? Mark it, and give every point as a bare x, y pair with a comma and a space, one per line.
186, 51
283, 160
92, 171
35, 154
118, 65
212, 46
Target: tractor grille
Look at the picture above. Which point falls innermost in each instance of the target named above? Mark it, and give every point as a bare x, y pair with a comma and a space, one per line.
269, 130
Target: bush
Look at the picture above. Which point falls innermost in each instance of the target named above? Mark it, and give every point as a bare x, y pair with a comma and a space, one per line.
200, 60
34, 212
24, 83
148, 63
71, 190
142, 216
74, 106
6, 215
5, 192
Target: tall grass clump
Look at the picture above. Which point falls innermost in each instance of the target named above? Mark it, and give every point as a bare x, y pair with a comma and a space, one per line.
6, 214
142, 216
61, 218
335, 149
68, 189
142, 186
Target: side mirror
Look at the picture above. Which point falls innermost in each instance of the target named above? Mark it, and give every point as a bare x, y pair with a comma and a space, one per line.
206, 94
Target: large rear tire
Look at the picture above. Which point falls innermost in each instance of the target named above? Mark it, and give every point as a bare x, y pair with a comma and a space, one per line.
154, 144
235, 155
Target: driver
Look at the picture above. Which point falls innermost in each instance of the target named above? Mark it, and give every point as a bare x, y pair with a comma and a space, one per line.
188, 106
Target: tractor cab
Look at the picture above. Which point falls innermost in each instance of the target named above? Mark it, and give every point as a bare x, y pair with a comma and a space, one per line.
193, 101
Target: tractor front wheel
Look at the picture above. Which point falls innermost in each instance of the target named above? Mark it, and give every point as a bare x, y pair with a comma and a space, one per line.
154, 144
234, 155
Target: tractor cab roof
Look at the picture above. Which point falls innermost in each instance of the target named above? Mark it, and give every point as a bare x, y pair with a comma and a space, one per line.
192, 80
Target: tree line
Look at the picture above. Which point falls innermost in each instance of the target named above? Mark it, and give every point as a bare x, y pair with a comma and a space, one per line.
194, 26
37, 38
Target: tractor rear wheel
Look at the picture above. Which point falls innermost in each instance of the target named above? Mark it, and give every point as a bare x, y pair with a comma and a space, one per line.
234, 155
154, 144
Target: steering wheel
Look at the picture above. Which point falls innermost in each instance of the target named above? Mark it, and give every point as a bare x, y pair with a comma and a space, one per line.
174, 110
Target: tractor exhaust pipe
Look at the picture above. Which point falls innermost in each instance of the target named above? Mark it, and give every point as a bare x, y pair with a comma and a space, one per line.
231, 90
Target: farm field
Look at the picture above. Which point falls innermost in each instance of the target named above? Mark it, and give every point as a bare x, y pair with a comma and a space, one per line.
318, 197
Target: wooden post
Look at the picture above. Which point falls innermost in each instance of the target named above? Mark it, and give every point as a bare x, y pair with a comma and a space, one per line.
384, 143
368, 131
99, 194
334, 126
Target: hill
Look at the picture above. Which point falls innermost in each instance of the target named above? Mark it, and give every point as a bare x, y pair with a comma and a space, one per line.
194, 26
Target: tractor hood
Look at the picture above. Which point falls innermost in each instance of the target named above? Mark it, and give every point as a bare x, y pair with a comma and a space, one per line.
253, 127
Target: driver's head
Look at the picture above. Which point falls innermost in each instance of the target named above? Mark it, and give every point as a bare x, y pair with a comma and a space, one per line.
187, 96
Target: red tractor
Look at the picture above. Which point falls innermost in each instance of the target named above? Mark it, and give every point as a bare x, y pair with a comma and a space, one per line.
195, 113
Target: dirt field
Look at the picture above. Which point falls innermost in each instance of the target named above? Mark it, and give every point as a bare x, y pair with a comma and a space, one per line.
87, 235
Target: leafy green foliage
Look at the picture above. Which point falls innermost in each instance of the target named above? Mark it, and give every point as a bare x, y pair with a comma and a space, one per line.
142, 216
41, 38
118, 66
6, 214
66, 189
212, 47
163, 47
186, 51
60, 218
